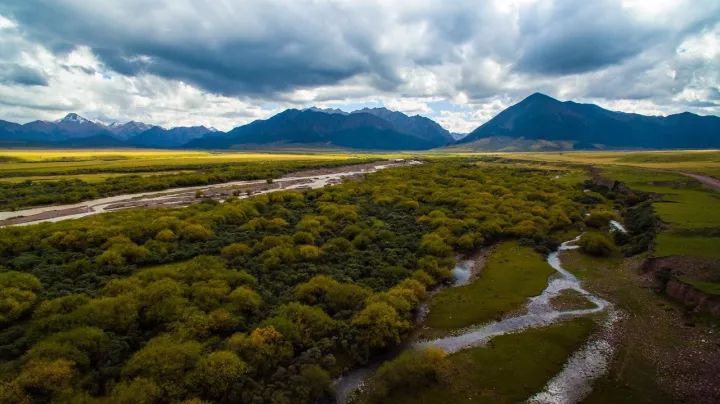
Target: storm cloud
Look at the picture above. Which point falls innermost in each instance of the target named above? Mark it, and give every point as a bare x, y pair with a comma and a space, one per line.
458, 62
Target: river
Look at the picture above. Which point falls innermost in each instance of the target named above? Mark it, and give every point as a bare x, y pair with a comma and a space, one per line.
178, 197
581, 369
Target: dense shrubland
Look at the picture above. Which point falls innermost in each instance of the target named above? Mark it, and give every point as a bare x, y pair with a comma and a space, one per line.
17, 195
256, 300
638, 215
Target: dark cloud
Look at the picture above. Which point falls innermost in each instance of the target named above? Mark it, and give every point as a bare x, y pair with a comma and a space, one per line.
567, 39
11, 73
300, 45
263, 53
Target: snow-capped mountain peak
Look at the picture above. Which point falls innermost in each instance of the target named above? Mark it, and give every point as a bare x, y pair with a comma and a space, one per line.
73, 118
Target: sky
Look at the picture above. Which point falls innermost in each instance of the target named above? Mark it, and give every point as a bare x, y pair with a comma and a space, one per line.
225, 63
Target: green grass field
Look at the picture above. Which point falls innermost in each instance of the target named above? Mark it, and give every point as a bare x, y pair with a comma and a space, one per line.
29, 163
694, 161
511, 275
695, 246
510, 369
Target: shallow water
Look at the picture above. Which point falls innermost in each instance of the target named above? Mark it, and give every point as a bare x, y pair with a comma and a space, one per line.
574, 382
617, 226
462, 272
539, 311
582, 367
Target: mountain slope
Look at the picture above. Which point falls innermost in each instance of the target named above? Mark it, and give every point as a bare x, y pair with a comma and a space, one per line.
419, 126
587, 126
158, 137
128, 129
313, 127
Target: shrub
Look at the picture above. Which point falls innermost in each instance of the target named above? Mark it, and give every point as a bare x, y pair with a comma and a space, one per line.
597, 244
600, 218
408, 371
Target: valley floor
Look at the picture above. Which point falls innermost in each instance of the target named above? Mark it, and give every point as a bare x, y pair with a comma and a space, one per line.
271, 298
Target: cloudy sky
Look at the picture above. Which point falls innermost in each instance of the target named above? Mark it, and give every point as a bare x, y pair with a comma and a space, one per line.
223, 63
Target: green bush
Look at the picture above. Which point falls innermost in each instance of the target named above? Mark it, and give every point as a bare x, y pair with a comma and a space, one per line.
410, 370
597, 244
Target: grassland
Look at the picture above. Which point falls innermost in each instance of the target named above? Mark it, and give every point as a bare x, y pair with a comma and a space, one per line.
694, 246
510, 369
512, 273
24, 163
695, 161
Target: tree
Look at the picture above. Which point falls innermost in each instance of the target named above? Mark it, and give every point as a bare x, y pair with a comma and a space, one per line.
47, 375
309, 323
406, 372
379, 325
309, 252
14, 303
433, 244
166, 360
330, 294
235, 250
264, 348
136, 391
244, 300
195, 232
218, 371
165, 235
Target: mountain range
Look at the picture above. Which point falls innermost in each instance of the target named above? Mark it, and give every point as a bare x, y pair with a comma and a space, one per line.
538, 122
76, 131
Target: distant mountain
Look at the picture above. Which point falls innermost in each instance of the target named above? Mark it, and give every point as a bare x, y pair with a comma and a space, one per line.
128, 129
158, 137
540, 118
75, 126
76, 131
418, 126
315, 127
60, 132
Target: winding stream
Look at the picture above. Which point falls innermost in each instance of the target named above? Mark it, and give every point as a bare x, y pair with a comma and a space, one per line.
582, 368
